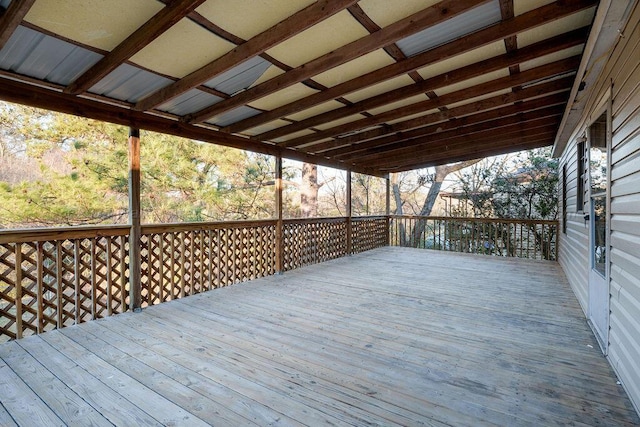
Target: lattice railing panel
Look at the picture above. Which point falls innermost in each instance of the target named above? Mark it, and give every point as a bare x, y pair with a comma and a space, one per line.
49, 293
30, 289
78, 274
118, 267
186, 262
369, 233
311, 242
8, 292
50, 283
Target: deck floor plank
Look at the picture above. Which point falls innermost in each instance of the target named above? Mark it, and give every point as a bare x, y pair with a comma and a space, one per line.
393, 336
466, 387
24, 405
230, 357
113, 406
148, 400
53, 392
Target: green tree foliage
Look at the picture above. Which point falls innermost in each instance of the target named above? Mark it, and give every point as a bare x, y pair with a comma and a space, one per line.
522, 186
64, 170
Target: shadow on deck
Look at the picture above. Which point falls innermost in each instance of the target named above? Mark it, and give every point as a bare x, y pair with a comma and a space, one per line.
390, 336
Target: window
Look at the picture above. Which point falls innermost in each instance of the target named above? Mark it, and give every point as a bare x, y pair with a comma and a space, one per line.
580, 187
564, 198
598, 182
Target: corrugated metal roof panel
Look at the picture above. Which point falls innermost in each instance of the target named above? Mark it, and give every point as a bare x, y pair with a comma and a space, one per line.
239, 77
232, 116
31, 53
458, 26
189, 102
129, 83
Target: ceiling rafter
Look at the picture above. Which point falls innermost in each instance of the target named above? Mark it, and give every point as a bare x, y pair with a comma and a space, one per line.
511, 145
554, 44
511, 42
344, 153
392, 50
232, 38
479, 148
542, 72
23, 93
284, 30
12, 17
544, 89
520, 118
440, 12
499, 31
149, 31
491, 137
387, 125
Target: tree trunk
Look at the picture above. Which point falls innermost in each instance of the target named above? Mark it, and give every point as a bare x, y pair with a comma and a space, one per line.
395, 187
442, 171
309, 191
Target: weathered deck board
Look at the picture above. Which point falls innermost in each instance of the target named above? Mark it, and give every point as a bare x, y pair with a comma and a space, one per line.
390, 336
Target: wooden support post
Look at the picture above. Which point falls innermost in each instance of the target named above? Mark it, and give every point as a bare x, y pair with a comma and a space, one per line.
135, 294
349, 222
279, 226
388, 208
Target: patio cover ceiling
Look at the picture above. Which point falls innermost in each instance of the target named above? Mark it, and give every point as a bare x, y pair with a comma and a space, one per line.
372, 85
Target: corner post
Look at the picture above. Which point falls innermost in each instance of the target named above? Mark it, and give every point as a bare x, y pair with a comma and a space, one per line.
349, 221
279, 226
135, 295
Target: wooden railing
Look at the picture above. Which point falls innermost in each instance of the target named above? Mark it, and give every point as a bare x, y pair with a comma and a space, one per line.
536, 239
51, 278
185, 259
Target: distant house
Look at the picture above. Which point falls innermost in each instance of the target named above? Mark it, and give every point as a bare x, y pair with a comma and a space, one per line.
599, 149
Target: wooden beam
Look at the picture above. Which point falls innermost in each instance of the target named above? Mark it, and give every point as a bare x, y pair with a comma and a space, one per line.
284, 30
554, 86
510, 146
511, 42
22, 93
452, 132
480, 151
463, 142
499, 31
135, 263
149, 31
462, 123
349, 214
539, 73
11, 18
441, 12
545, 47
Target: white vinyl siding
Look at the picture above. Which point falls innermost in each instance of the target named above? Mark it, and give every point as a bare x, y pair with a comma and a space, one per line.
622, 75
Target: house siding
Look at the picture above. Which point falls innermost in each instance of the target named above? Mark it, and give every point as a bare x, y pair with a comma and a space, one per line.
621, 75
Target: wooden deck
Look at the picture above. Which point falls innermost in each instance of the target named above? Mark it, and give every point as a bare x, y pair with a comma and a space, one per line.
392, 336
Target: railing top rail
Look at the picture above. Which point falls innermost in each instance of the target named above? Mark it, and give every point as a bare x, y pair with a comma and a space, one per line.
474, 219
214, 225
80, 232
325, 220
368, 217
61, 233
